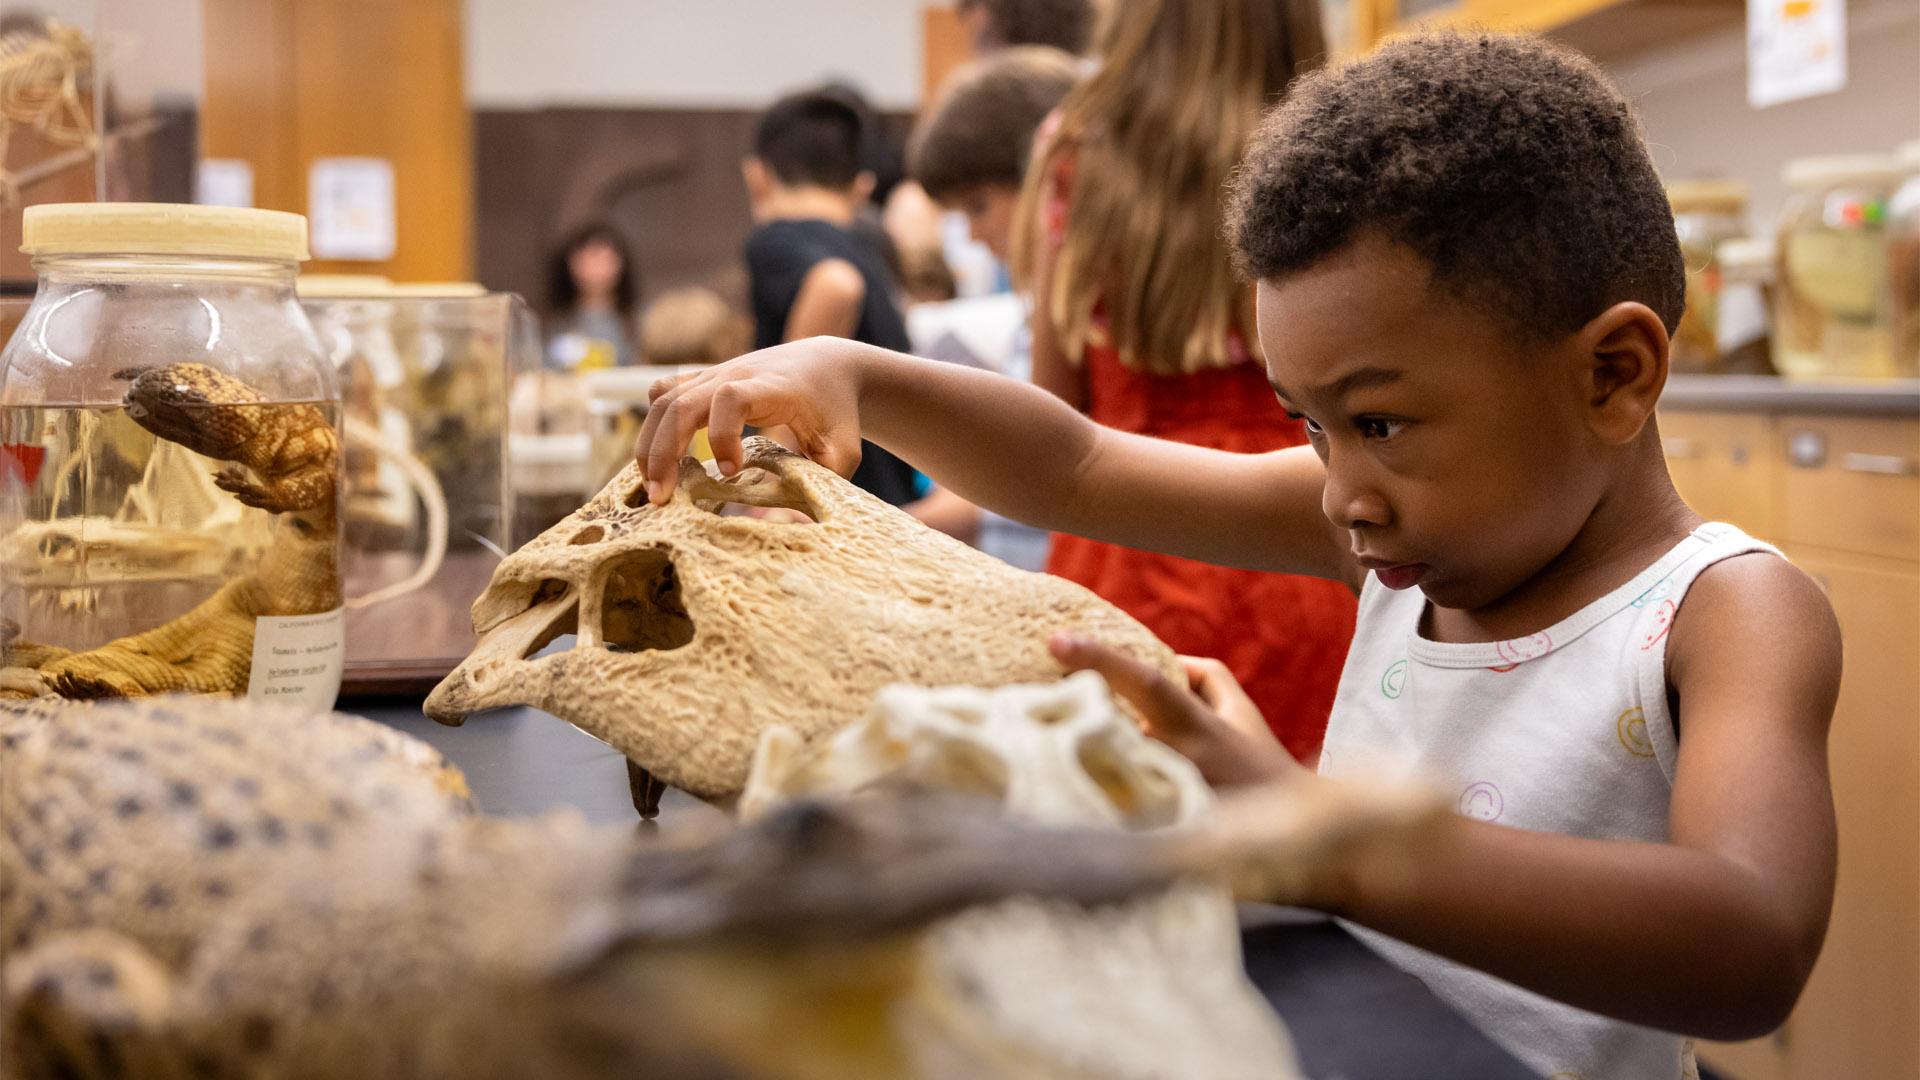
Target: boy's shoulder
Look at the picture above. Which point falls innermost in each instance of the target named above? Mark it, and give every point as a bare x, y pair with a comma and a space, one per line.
1759, 615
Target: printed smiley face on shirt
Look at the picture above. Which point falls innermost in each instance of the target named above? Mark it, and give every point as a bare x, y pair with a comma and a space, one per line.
1483, 801
1631, 729
1662, 623
1394, 682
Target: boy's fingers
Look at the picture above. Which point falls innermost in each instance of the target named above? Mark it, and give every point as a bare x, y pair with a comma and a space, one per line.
661, 386
679, 414
1164, 705
726, 417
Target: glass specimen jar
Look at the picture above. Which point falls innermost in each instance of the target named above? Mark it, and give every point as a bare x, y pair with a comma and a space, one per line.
170, 461
1745, 308
1832, 310
1705, 213
1903, 263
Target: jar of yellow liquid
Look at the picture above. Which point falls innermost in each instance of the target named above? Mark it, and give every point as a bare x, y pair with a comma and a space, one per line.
1903, 262
170, 461
1833, 313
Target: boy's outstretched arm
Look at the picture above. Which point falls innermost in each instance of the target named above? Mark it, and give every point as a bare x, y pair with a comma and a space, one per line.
1007, 446
1712, 933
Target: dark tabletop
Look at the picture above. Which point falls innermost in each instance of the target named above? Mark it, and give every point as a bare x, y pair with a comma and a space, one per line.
1353, 1016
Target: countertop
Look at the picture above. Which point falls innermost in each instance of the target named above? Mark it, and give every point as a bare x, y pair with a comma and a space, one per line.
1768, 393
1353, 1016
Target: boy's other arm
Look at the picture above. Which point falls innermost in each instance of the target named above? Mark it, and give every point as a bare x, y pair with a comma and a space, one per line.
1713, 933
1010, 447
828, 303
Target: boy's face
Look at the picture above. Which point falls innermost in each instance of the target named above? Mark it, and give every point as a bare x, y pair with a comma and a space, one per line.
989, 209
1459, 459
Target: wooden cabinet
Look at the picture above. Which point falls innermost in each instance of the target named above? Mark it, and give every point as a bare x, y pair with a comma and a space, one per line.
1841, 495
289, 81
1850, 484
1723, 465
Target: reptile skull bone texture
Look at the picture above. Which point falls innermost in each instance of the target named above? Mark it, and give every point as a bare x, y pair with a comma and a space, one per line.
696, 631
1149, 988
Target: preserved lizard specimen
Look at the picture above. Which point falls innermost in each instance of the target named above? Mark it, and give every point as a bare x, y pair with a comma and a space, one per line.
209, 887
285, 459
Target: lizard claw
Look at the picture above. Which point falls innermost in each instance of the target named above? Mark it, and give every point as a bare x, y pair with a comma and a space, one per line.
236, 482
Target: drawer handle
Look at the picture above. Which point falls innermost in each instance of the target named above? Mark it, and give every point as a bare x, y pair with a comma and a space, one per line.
1679, 447
1880, 464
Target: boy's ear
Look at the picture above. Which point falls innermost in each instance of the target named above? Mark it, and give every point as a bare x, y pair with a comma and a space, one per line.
863, 185
1624, 351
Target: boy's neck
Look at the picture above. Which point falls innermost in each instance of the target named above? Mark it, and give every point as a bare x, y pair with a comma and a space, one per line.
1638, 519
806, 203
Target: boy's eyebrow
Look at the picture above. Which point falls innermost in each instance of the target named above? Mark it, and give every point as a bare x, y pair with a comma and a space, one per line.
1358, 379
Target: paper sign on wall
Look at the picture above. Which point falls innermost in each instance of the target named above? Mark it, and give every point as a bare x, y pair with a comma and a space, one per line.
1795, 49
350, 208
224, 182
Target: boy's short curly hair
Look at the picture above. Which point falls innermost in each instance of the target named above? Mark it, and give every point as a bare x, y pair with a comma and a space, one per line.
1510, 165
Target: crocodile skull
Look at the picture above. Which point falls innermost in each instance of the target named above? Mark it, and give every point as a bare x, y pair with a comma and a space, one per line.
1152, 987
696, 630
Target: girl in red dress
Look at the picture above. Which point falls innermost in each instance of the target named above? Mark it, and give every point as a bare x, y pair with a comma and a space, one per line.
1140, 321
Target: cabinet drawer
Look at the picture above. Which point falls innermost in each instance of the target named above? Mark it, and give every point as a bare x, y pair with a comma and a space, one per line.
1850, 484
1723, 466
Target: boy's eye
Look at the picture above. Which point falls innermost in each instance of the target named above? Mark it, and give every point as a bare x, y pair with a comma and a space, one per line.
1372, 427
1313, 429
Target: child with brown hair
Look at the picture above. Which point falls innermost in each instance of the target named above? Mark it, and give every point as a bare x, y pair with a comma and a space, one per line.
970, 150
1139, 321
1468, 276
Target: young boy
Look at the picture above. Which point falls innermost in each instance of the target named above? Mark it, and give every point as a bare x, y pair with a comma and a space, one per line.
1467, 278
970, 151
809, 272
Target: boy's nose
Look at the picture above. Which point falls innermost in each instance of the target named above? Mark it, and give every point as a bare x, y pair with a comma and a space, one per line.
1349, 505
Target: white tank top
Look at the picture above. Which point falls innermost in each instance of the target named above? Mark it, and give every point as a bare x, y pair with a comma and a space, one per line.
1565, 731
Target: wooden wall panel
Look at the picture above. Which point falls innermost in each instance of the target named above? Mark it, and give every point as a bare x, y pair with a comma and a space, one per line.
944, 45
289, 81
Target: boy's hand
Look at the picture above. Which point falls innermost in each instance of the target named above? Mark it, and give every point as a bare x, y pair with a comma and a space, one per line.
811, 387
1211, 721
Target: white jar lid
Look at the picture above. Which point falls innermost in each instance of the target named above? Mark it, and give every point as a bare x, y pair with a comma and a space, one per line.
163, 229
1834, 170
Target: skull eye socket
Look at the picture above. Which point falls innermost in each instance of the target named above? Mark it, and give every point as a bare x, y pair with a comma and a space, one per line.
592, 534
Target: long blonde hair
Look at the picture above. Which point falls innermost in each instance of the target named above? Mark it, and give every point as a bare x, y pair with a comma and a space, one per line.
1154, 135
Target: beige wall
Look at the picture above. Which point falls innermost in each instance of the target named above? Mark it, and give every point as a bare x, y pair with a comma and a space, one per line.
687, 53
1693, 100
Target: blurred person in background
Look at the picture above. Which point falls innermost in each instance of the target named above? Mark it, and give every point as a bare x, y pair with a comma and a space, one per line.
692, 325
998, 24
969, 152
592, 291
809, 271
1140, 321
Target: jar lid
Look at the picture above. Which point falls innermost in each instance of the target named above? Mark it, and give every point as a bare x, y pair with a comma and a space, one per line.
1695, 195
437, 290
340, 286
1744, 253
163, 229
1814, 172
